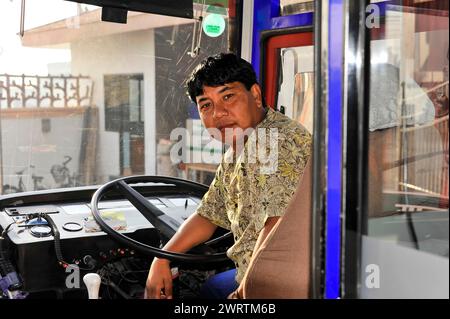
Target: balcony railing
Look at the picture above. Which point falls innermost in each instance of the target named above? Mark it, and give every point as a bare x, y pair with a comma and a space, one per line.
24, 91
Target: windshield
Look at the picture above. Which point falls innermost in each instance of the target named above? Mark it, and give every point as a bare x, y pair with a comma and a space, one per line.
84, 101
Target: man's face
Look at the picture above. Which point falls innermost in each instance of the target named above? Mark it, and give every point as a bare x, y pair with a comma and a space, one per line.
230, 109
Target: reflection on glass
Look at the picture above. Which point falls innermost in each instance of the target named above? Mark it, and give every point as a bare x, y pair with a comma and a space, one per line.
105, 95
408, 129
303, 99
288, 7
296, 90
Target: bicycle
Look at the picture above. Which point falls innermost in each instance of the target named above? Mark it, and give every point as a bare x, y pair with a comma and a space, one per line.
10, 189
62, 175
36, 180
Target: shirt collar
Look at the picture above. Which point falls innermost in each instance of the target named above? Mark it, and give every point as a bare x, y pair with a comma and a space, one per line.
265, 123
270, 114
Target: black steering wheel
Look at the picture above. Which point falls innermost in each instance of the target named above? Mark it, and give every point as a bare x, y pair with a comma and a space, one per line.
154, 215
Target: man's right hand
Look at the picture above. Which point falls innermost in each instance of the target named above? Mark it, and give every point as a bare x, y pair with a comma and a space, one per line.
195, 230
159, 280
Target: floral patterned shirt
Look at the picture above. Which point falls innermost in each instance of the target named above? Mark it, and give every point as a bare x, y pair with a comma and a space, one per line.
248, 189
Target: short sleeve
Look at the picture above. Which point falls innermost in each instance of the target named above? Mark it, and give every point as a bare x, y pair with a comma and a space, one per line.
212, 206
276, 187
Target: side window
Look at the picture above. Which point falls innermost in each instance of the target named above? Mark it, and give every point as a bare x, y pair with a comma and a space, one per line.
124, 110
407, 218
295, 96
288, 78
123, 101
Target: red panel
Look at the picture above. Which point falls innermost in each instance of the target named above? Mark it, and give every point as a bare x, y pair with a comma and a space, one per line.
272, 47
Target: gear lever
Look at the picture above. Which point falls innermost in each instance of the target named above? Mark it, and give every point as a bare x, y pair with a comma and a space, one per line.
92, 282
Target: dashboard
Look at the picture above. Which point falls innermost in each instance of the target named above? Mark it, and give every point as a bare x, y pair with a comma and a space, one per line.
74, 220
30, 259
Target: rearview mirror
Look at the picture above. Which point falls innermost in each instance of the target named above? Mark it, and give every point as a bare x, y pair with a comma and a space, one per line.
116, 10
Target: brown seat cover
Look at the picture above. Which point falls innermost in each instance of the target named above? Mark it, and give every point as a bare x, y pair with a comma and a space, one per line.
281, 267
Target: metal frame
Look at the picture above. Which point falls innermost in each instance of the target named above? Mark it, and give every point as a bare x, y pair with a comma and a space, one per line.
266, 17
265, 36
355, 149
235, 40
247, 30
319, 157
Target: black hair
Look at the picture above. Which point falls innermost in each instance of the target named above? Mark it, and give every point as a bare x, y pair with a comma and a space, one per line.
218, 70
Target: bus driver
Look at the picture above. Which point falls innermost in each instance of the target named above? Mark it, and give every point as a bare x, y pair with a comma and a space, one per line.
243, 197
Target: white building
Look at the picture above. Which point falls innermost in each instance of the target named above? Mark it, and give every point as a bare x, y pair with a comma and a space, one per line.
137, 68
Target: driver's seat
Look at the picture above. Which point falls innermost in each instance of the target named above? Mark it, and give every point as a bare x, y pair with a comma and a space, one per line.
281, 267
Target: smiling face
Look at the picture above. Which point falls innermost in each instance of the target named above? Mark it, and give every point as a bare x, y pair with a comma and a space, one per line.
230, 108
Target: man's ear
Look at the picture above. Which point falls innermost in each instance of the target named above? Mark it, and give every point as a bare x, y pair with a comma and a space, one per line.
255, 90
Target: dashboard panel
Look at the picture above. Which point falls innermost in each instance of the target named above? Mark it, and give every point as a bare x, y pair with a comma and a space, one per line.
29, 248
68, 215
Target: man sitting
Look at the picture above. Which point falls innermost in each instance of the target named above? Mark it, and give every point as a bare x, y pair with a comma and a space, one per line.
250, 191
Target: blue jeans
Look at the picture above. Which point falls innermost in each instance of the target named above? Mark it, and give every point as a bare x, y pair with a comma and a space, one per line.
220, 285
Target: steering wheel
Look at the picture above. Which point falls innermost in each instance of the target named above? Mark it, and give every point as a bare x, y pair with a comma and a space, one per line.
154, 215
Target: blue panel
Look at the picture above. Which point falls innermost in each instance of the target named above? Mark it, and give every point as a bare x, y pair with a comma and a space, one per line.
263, 12
266, 17
295, 20
334, 163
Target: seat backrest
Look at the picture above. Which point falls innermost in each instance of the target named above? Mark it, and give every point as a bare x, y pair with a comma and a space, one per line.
280, 268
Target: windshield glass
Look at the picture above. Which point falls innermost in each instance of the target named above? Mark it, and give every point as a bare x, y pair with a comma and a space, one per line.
84, 101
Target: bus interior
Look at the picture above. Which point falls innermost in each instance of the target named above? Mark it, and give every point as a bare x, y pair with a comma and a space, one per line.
95, 177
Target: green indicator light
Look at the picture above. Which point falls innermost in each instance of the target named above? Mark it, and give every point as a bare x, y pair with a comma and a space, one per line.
213, 25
